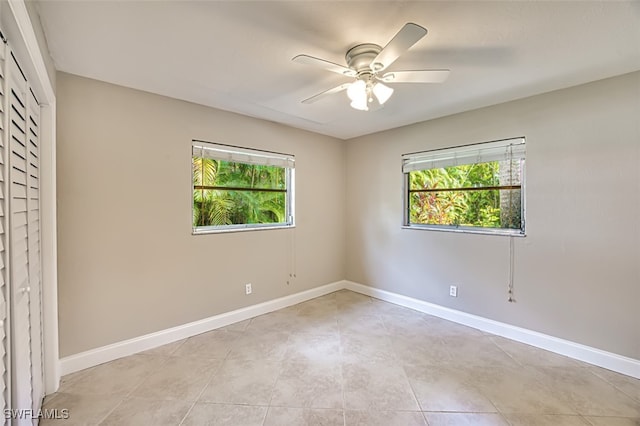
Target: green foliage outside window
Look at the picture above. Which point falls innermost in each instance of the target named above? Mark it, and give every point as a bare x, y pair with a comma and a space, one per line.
467, 195
230, 193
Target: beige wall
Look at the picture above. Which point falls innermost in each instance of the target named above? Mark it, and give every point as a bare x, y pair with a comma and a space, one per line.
577, 272
128, 264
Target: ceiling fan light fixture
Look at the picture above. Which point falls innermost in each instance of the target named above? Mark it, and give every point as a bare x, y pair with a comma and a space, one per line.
382, 92
360, 105
357, 92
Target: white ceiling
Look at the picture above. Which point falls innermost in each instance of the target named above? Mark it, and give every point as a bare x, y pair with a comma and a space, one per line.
236, 55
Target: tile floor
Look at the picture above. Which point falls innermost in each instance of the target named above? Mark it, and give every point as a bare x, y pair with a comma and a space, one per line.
347, 359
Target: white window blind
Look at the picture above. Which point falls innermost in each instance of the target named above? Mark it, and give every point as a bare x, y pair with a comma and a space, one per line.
242, 155
21, 368
19, 235
33, 211
504, 150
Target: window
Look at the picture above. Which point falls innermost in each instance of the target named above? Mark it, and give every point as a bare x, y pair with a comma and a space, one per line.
238, 188
472, 188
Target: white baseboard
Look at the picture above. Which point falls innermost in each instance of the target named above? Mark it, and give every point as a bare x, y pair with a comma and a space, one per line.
128, 347
608, 360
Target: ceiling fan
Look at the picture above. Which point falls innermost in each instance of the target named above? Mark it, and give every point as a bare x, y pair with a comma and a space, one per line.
366, 63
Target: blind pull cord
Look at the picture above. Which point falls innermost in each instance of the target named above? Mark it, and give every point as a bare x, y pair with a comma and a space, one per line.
291, 256
511, 265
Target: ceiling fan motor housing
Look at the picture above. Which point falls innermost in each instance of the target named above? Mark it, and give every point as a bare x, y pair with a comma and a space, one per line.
360, 57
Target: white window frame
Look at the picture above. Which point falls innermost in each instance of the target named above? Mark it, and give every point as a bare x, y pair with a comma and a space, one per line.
253, 156
504, 149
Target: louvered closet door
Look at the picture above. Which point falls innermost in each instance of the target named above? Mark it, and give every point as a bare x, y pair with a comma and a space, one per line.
19, 238
5, 370
35, 276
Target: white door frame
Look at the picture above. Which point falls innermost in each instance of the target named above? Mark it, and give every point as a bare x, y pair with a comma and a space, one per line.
21, 35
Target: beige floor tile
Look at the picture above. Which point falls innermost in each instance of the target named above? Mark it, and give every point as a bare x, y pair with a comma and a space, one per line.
49, 398
355, 305
613, 421
519, 390
67, 379
545, 420
447, 389
311, 361
420, 351
280, 416
353, 312
476, 351
260, 344
361, 307
179, 378
243, 382
324, 306
365, 347
203, 414
309, 384
215, 344
465, 419
377, 386
387, 309
530, 355
116, 377
407, 324
361, 324
81, 409
134, 412
444, 328
316, 324
627, 384
384, 418
589, 394
314, 347
350, 298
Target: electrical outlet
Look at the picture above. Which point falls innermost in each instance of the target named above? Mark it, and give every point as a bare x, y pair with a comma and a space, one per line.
247, 288
453, 291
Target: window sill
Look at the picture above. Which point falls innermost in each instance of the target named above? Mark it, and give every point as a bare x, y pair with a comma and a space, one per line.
460, 230
241, 228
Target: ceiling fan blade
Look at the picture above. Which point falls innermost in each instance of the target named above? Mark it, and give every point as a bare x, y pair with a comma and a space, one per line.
330, 66
326, 93
419, 76
400, 43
